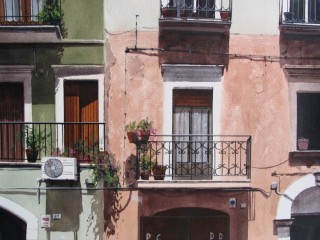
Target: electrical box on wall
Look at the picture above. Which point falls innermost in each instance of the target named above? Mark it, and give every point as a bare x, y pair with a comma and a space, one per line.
232, 202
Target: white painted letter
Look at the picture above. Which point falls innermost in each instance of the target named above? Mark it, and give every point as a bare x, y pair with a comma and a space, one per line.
148, 236
211, 235
158, 237
220, 236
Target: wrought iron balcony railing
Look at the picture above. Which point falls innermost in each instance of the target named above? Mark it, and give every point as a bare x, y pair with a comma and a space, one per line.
299, 11
82, 140
27, 12
195, 157
195, 9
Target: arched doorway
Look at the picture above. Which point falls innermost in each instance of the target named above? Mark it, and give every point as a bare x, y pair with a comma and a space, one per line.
16, 211
11, 226
298, 213
186, 223
305, 213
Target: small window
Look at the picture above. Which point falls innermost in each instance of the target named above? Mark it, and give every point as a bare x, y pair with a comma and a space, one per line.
20, 11
308, 122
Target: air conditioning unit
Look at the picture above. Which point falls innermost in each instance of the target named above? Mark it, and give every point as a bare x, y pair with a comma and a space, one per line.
59, 168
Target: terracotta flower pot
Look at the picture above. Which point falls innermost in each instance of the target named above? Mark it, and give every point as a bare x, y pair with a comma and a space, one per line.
32, 155
303, 144
158, 172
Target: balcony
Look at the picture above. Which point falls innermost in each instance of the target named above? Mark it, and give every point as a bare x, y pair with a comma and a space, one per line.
80, 140
29, 12
201, 15
300, 16
195, 157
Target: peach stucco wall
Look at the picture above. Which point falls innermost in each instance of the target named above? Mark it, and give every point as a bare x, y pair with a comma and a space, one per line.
255, 102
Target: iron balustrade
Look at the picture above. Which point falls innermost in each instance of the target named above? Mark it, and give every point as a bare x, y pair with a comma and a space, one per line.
82, 140
210, 9
24, 12
299, 11
196, 157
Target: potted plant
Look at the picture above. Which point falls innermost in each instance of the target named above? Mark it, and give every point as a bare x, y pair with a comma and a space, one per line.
143, 130
225, 15
139, 133
303, 144
131, 129
34, 142
145, 166
158, 171
104, 167
51, 12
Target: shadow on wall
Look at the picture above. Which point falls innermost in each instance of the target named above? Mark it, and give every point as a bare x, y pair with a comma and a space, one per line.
67, 203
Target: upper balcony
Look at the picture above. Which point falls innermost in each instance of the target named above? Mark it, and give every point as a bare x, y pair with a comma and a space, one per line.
21, 141
300, 16
208, 15
27, 21
194, 159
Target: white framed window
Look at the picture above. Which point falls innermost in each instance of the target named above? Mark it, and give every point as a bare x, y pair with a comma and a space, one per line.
304, 85
181, 80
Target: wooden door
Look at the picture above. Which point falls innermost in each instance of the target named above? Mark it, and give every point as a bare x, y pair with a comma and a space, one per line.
81, 106
11, 111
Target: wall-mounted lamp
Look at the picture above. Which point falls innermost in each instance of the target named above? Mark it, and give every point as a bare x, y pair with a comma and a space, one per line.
317, 178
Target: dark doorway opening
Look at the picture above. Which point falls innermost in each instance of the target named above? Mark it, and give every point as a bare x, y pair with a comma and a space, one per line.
11, 227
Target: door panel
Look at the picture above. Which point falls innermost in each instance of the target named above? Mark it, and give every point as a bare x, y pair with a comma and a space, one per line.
81, 106
11, 110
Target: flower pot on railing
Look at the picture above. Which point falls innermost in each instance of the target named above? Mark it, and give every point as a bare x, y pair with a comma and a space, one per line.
225, 15
158, 172
303, 144
168, 12
145, 174
32, 155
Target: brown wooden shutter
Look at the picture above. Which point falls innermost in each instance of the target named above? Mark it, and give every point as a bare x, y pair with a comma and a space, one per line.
192, 98
11, 110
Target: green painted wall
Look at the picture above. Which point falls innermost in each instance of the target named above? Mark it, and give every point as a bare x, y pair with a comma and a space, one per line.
84, 19
88, 205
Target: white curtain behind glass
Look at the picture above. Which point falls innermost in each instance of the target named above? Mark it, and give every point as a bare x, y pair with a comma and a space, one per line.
201, 121
12, 10
181, 117
36, 7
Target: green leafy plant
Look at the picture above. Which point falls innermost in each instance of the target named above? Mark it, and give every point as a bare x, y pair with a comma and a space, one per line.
145, 125
35, 138
104, 167
51, 12
131, 126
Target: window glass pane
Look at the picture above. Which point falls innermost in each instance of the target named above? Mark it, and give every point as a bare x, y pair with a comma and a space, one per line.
12, 10
309, 118
297, 7
36, 7
314, 10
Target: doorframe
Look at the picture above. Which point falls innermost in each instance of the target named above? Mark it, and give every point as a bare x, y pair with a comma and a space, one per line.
23, 214
78, 73
20, 74
286, 201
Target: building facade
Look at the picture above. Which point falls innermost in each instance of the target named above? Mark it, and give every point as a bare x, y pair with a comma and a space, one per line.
231, 89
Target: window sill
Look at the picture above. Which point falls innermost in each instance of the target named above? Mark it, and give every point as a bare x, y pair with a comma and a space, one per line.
195, 25
307, 158
190, 184
300, 28
30, 34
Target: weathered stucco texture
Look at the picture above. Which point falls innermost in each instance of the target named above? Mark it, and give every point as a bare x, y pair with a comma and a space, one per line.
255, 102
134, 91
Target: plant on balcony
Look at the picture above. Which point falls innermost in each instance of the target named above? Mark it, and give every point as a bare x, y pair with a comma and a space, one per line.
145, 166
139, 133
104, 167
131, 129
34, 142
158, 171
51, 12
